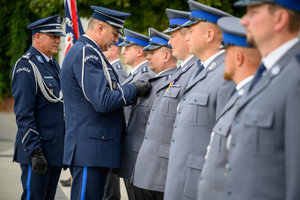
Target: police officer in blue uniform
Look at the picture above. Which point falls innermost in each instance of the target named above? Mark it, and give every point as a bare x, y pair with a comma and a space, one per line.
39, 113
94, 103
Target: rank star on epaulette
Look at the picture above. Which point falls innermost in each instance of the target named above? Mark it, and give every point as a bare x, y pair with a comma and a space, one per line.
39, 59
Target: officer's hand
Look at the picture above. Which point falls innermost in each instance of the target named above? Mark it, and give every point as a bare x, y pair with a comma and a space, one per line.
38, 161
143, 88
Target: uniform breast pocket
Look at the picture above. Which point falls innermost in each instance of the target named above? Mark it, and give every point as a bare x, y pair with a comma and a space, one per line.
52, 85
144, 102
170, 101
196, 108
258, 136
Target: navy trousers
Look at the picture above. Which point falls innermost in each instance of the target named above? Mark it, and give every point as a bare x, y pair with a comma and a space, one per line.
88, 182
39, 187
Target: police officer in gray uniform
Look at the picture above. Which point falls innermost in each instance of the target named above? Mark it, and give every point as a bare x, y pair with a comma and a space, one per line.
152, 161
205, 95
264, 138
135, 57
241, 62
113, 56
133, 139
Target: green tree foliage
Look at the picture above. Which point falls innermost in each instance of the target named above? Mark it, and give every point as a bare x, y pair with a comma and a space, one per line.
15, 15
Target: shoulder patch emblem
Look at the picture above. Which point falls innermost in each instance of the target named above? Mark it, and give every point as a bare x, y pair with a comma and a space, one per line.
91, 57
23, 69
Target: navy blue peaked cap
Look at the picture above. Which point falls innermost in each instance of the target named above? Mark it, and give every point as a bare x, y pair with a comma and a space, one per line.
176, 19
290, 4
134, 38
50, 25
157, 40
112, 17
233, 32
203, 13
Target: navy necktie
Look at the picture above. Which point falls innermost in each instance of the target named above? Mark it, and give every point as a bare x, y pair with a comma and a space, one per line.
200, 68
257, 76
52, 64
233, 92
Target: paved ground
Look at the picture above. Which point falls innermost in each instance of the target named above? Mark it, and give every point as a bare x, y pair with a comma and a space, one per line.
10, 173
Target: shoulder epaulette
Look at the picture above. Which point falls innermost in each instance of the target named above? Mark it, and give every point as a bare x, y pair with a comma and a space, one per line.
26, 56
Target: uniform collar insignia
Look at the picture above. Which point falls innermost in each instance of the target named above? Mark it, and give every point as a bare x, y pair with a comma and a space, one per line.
212, 66
39, 59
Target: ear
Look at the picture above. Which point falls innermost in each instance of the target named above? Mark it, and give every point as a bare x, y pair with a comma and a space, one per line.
210, 35
239, 59
167, 56
139, 52
100, 28
281, 18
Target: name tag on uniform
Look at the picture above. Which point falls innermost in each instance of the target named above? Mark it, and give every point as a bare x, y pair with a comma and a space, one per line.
48, 77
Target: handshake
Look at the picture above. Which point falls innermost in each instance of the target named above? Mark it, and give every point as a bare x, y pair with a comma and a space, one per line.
143, 88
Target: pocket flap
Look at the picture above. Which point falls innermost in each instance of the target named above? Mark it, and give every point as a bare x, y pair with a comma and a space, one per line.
259, 118
51, 83
172, 91
100, 135
222, 128
199, 99
164, 150
195, 161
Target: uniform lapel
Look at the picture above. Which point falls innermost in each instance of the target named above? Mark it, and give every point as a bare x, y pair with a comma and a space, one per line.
40, 61
265, 81
210, 68
179, 72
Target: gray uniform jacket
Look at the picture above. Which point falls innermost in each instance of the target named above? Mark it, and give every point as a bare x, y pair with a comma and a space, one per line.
152, 161
206, 94
211, 184
264, 154
137, 124
122, 73
143, 72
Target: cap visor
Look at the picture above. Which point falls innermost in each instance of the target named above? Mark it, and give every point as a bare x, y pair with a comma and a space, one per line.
124, 44
169, 30
243, 3
56, 33
189, 23
151, 47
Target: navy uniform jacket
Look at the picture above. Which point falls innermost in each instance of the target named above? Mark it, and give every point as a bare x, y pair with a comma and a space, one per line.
122, 73
40, 122
94, 112
152, 161
212, 179
142, 72
137, 125
264, 149
204, 98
